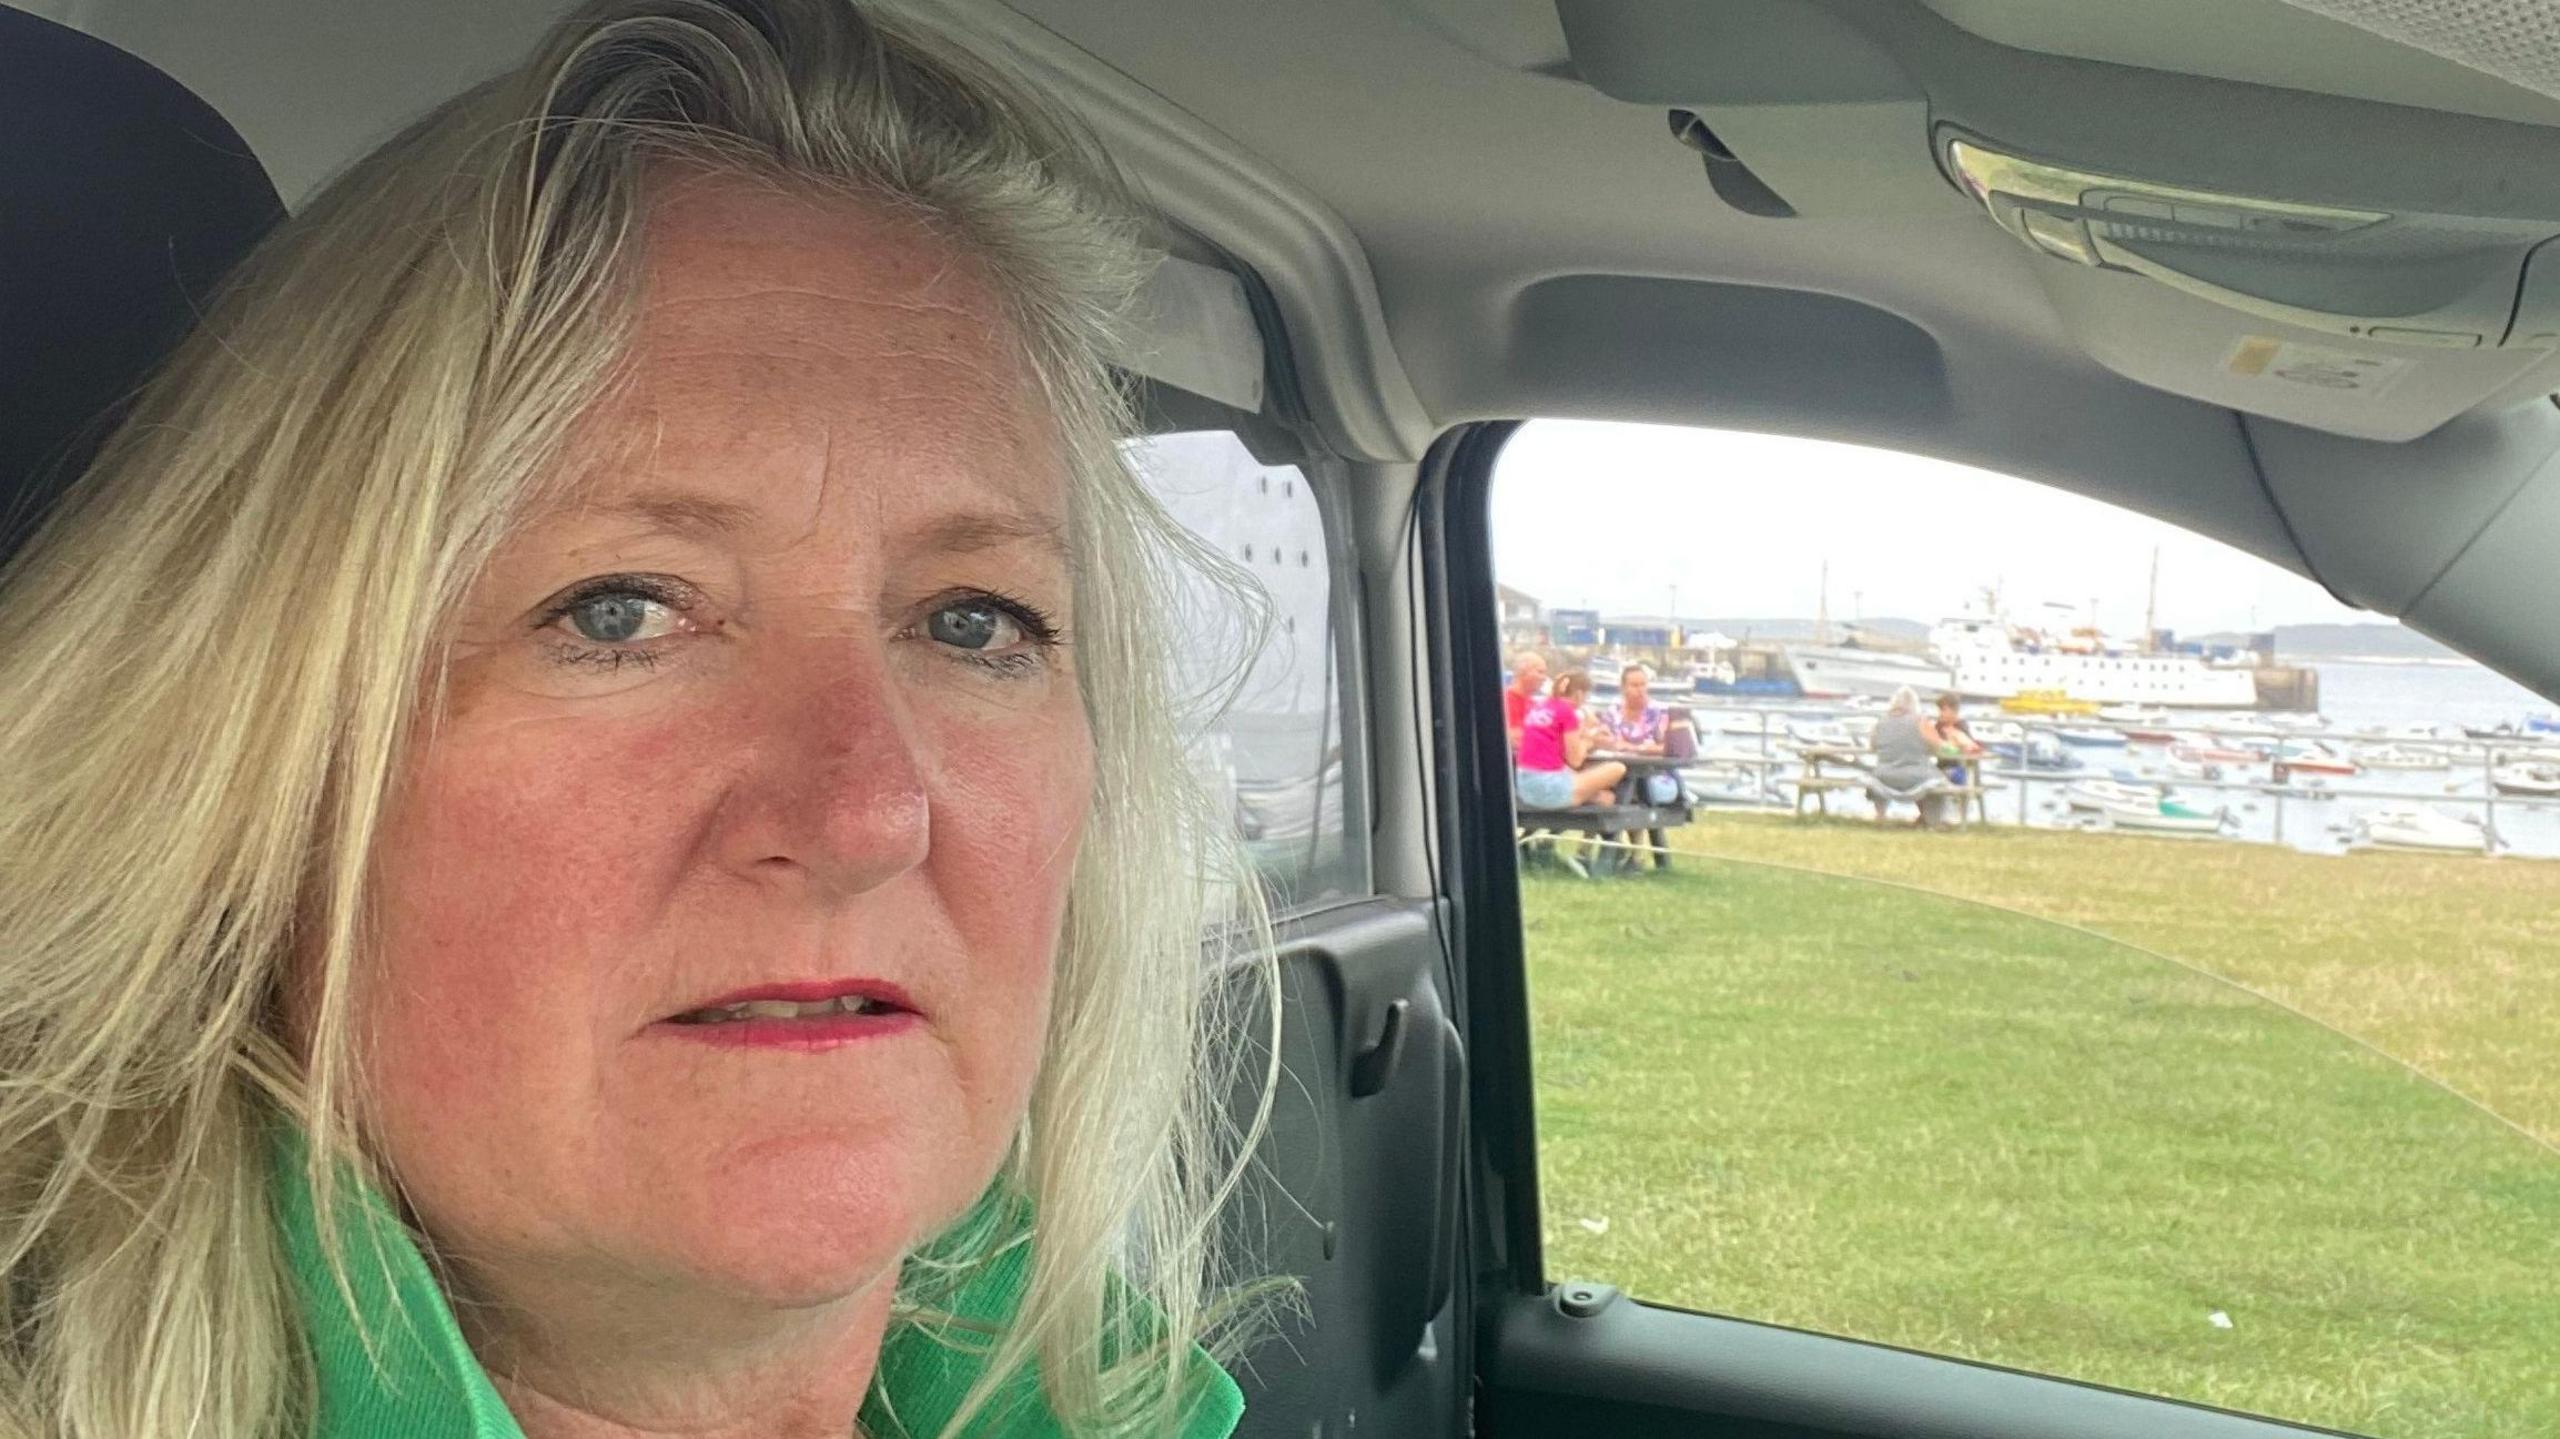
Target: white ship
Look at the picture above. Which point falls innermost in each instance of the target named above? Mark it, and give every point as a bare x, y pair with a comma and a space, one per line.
1832, 672
1987, 657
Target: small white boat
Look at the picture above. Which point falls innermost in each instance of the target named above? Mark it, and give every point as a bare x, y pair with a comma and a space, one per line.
2149, 717
2097, 794
1822, 734
2526, 779
2194, 770
2414, 828
2166, 816
2403, 757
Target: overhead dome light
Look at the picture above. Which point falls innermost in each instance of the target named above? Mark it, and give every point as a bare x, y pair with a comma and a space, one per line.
2439, 281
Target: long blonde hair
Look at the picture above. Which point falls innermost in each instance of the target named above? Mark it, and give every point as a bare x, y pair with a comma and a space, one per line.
217, 645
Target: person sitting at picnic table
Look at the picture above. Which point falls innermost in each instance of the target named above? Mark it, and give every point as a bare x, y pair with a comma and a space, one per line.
1908, 748
1950, 729
1555, 746
1636, 725
1528, 676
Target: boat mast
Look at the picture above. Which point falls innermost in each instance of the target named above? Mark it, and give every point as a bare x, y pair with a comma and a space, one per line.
2151, 607
1822, 607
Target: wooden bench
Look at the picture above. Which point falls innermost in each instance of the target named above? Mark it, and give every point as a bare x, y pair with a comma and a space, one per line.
1605, 820
1810, 790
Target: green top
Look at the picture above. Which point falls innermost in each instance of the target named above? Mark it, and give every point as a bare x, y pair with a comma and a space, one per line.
427, 1383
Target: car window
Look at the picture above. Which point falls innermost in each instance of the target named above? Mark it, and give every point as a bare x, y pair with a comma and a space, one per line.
1272, 743
2197, 1049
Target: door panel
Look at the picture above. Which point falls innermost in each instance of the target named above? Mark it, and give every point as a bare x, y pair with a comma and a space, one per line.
1355, 1191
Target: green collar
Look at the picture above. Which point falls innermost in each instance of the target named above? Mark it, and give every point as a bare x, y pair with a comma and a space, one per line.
427, 1382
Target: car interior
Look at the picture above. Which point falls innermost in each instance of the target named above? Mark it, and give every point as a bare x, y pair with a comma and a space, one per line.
2283, 272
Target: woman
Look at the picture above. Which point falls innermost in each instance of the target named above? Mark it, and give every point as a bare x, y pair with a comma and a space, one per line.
587, 851
1907, 750
1555, 746
1636, 725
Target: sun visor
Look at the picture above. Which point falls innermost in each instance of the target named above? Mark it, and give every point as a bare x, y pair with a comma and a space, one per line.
2365, 268
1192, 327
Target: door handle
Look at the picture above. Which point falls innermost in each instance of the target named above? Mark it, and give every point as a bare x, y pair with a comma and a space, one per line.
1372, 1067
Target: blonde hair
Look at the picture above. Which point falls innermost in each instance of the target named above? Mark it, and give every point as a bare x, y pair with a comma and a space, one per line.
219, 641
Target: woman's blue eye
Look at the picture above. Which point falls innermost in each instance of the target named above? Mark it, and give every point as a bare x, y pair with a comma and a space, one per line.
974, 625
618, 617
613, 618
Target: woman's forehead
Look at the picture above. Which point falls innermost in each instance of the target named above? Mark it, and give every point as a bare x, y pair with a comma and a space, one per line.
799, 353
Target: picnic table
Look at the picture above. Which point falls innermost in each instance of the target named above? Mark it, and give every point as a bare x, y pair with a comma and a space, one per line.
1814, 784
1630, 816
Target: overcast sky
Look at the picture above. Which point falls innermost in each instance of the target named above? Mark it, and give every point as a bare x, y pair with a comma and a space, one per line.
1740, 524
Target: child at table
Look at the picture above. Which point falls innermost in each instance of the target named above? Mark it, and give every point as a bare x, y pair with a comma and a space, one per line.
1555, 746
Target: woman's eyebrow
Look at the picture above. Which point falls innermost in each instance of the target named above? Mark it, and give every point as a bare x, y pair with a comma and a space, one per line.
700, 517
969, 534
706, 517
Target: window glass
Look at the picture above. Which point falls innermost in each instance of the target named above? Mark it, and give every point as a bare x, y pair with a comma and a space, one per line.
1274, 751
2196, 1047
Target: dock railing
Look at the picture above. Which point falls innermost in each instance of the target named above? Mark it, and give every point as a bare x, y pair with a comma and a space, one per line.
1769, 734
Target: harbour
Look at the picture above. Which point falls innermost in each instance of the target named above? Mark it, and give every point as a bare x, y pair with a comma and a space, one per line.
2430, 757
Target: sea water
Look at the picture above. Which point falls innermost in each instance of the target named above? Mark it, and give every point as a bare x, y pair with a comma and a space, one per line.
2357, 694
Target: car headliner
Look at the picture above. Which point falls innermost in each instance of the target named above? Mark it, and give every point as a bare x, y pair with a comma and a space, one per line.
1454, 225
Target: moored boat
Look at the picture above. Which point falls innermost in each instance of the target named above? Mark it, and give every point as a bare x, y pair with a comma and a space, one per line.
2403, 757
1821, 734
2311, 759
2035, 752
2097, 794
2415, 828
2165, 815
2205, 749
2052, 703
2528, 780
2092, 738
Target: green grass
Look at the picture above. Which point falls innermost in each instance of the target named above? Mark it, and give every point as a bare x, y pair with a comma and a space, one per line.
1906, 1117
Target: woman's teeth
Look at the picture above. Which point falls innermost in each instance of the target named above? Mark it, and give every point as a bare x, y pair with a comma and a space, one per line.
785, 1009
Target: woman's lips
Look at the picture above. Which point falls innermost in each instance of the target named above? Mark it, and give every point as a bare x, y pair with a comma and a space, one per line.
821, 1032
805, 1015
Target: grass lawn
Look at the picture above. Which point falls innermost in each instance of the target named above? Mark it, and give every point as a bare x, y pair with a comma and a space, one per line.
1907, 1117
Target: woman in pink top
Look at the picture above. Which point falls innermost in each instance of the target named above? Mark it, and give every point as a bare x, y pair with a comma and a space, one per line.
1553, 744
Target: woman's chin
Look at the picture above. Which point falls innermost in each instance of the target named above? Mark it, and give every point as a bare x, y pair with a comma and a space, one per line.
809, 1222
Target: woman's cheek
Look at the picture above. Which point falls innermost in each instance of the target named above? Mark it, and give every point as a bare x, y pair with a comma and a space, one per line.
1008, 825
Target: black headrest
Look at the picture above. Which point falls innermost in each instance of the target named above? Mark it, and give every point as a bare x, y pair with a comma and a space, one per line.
123, 201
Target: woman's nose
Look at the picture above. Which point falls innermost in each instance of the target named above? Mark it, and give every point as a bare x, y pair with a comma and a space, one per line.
841, 798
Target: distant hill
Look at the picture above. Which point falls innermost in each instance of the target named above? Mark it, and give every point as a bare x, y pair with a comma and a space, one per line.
2351, 641
2379, 640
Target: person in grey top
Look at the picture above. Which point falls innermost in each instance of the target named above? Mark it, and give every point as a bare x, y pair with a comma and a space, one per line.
1908, 749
